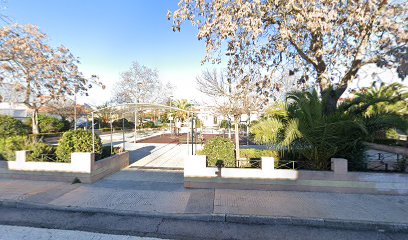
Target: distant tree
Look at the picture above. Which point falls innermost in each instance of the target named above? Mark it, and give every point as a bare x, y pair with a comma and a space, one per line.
103, 114
232, 97
322, 42
141, 84
66, 109
183, 104
49, 124
40, 72
379, 99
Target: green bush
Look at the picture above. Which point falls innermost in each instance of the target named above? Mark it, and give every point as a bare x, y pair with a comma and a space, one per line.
220, 149
106, 152
77, 141
252, 153
391, 134
224, 124
48, 124
9, 145
42, 135
149, 125
10, 126
119, 123
41, 152
255, 154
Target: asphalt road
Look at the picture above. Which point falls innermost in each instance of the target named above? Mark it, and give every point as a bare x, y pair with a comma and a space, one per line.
162, 228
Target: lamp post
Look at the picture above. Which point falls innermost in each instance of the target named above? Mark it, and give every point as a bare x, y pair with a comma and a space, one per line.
171, 117
75, 106
138, 84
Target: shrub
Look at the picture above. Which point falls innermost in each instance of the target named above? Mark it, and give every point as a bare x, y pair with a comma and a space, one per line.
255, 154
41, 152
391, 134
106, 152
48, 124
119, 123
219, 149
252, 153
10, 126
9, 145
224, 124
77, 141
148, 125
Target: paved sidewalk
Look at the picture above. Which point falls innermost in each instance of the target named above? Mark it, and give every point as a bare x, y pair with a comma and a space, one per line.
162, 192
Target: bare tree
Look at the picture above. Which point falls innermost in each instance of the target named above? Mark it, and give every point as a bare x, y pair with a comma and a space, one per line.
141, 84
66, 109
325, 42
39, 72
232, 97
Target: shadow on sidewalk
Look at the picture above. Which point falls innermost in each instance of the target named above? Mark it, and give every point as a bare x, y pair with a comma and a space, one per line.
140, 153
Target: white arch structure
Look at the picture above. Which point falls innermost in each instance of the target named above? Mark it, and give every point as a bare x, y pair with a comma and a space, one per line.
133, 108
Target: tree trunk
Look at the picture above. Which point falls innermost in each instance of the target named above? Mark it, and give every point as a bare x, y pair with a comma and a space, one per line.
237, 157
34, 122
229, 129
330, 98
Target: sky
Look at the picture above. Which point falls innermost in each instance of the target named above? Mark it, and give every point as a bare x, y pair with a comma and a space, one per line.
108, 36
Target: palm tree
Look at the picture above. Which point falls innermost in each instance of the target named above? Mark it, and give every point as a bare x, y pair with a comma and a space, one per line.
300, 125
379, 99
184, 105
381, 108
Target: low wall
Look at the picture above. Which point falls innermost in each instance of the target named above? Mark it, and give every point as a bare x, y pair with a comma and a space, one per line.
82, 166
197, 175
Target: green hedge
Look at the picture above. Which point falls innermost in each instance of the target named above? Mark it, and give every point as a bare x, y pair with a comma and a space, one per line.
10, 126
50, 134
77, 141
48, 124
41, 152
219, 149
257, 154
8, 147
106, 152
148, 125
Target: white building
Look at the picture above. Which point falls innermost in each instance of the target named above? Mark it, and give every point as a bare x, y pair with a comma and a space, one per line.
212, 120
19, 111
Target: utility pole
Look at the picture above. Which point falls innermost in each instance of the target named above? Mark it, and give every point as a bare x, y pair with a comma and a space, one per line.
137, 101
171, 118
75, 107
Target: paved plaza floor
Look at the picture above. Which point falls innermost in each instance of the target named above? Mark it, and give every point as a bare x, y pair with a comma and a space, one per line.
153, 184
161, 191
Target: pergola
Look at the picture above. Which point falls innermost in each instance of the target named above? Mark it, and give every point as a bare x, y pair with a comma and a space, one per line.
122, 110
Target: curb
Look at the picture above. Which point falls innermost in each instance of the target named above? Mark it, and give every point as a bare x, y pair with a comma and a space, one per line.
227, 218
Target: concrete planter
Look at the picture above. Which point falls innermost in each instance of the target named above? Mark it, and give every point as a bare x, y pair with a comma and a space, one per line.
197, 175
82, 166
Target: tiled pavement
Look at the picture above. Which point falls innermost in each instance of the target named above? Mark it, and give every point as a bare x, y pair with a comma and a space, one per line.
155, 192
150, 190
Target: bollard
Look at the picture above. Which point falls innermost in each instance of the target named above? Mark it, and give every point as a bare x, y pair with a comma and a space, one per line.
219, 164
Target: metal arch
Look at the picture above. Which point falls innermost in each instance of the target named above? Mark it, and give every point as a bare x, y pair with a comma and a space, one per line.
131, 108
146, 106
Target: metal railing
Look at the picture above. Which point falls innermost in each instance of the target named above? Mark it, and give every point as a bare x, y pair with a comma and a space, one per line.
300, 165
48, 158
248, 163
